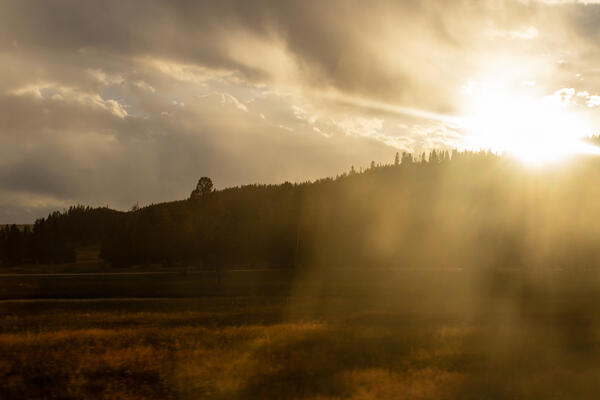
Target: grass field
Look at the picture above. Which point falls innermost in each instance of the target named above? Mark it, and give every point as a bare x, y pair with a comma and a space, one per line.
276, 335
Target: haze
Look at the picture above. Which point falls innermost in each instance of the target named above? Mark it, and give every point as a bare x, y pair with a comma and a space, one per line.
115, 102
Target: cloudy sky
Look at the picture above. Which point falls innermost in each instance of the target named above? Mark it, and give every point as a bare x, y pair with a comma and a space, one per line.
118, 102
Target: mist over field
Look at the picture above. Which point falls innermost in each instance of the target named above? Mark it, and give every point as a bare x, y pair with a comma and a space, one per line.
294, 199
441, 276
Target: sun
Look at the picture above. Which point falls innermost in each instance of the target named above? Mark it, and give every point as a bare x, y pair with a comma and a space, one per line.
534, 130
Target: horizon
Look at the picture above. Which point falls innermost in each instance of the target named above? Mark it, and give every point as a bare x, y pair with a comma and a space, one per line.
417, 158
100, 107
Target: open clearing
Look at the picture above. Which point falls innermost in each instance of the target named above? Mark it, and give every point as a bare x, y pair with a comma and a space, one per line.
278, 335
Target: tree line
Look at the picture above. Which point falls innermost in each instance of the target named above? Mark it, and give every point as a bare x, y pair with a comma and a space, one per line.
55, 238
442, 209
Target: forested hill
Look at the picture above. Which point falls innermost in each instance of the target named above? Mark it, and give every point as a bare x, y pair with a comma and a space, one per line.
458, 210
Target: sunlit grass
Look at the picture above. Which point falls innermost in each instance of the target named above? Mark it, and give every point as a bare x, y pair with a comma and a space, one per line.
526, 341
303, 359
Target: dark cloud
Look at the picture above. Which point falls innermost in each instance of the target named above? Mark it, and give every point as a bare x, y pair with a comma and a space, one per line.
117, 102
391, 50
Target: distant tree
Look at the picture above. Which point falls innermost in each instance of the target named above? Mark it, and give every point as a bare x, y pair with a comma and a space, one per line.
397, 159
203, 187
407, 158
4, 249
445, 156
372, 164
433, 157
14, 245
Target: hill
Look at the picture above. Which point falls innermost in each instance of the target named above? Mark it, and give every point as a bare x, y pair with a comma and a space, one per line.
465, 210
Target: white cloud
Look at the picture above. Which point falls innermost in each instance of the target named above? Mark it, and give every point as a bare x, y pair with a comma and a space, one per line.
103, 78
227, 98
55, 92
593, 101
360, 126
590, 100
28, 90
303, 115
561, 97
190, 73
144, 86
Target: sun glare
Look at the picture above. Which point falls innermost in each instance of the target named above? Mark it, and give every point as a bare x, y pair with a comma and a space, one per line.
534, 130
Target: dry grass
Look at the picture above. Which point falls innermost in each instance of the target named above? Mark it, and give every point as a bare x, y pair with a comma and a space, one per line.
140, 354
525, 346
145, 354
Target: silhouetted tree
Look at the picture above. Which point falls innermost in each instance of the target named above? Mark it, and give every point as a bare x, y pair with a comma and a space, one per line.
203, 187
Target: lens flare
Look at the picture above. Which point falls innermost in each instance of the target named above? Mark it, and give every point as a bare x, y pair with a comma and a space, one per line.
534, 130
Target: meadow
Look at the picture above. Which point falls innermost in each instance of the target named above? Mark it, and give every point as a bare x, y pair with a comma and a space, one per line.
445, 334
